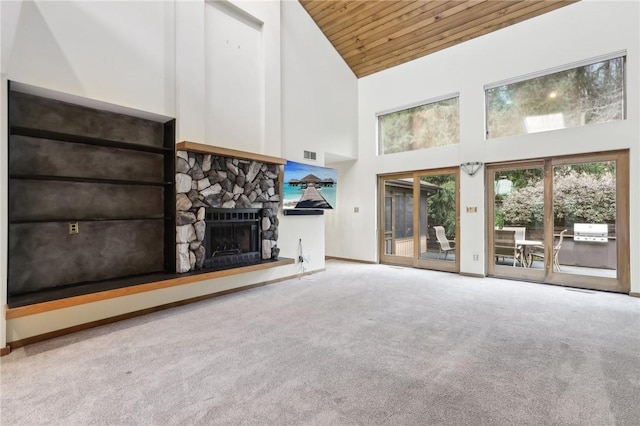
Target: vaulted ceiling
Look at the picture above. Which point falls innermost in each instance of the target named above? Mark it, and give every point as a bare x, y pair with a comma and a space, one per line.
373, 35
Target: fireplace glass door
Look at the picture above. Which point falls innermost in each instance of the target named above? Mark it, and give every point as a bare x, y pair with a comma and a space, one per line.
232, 237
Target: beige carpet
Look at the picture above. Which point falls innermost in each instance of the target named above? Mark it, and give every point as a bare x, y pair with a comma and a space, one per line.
357, 344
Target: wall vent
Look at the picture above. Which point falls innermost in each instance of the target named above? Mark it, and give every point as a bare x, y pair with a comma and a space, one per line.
310, 155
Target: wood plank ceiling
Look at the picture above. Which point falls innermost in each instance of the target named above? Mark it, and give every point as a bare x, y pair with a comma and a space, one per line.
373, 35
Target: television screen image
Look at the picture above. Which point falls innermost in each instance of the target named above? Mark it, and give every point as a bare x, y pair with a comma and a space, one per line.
309, 187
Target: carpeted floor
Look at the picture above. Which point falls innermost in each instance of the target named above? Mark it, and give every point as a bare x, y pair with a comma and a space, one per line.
357, 344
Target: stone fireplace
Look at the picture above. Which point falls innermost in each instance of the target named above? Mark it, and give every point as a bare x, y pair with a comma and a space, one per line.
226, 211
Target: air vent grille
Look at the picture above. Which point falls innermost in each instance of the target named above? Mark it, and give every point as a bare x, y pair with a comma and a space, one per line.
310, 155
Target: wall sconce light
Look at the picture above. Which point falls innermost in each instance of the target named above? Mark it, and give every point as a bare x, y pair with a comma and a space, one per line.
471, 168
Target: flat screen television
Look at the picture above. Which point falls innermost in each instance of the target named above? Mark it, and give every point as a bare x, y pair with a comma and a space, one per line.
309, 187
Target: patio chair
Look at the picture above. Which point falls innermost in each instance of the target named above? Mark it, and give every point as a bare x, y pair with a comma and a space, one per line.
445, 244
505, 246
538, 253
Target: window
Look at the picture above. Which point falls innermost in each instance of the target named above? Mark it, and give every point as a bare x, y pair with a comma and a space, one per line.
579, 96
425, 126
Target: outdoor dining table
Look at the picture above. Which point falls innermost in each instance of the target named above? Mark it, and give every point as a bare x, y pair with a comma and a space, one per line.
525, 244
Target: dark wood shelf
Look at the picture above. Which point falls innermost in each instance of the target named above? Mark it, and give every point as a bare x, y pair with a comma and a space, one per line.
88, 180
93, 219
87, 140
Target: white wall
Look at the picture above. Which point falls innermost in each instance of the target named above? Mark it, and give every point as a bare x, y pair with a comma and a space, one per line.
234, 77
319, 113
100, 50
348, 244
319, 97
152, 56
577, 32
210, 91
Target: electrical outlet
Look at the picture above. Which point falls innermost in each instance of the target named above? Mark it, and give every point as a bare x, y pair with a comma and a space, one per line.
475, 257
74, 228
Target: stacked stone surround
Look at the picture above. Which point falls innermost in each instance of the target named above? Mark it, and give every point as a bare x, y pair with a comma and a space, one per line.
207, 180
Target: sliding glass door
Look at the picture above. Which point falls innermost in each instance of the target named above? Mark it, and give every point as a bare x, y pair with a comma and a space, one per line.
516, 204
419, 219
561, 221
398, 247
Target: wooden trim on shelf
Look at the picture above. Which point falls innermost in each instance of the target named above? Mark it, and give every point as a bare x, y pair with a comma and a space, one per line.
57, 333
38, 308
227, 152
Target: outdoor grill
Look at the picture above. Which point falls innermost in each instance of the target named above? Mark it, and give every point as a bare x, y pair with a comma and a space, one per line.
591, 232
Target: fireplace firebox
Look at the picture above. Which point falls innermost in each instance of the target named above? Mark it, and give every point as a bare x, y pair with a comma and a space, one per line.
232, 238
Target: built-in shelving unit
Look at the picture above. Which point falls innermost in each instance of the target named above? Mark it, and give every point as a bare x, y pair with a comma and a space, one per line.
91, 194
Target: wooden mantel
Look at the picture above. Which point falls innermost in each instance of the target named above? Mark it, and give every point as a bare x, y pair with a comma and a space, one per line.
228, 152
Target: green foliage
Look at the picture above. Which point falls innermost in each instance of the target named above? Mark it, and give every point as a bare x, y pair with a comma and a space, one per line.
523, 177
524, 206
442, 204
598, 169
579, 197
425, 126
584, 95
499, 218
442, 208
584, 197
